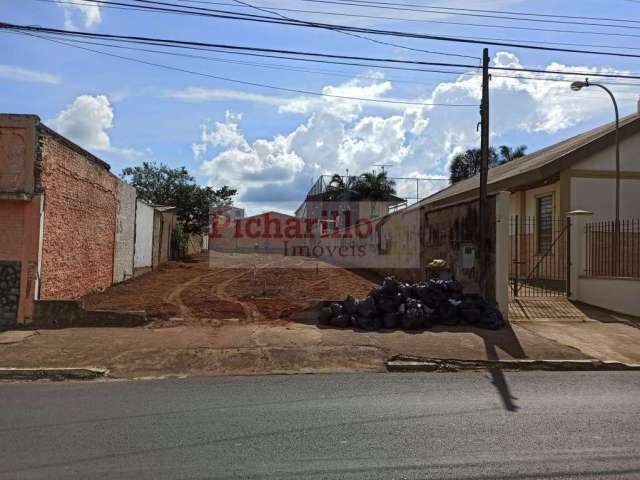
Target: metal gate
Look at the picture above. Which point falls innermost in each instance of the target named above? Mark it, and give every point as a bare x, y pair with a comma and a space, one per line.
539, 257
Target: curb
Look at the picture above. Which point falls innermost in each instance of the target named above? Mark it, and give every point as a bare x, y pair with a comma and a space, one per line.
81, 373
413, 364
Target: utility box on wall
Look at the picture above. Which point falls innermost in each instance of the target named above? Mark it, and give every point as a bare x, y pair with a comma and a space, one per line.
18, 147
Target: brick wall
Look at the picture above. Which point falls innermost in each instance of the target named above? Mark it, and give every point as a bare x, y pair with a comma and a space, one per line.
79, 220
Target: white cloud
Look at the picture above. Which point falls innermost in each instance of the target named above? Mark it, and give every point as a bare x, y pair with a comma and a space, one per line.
21, 74
86, 121
89, 11
339, 134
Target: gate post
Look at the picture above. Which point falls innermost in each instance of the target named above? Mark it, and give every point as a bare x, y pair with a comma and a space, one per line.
503, 252
575, 244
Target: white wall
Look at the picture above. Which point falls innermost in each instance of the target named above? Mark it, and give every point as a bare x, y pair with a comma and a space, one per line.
606, 159
597, 195
125, 230
144, 235
621, 296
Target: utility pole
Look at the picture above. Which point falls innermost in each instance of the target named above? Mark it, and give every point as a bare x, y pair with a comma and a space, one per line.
484, 167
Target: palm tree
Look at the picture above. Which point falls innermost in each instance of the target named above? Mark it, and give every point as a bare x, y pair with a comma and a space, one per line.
467, 164
375, 186
508, 153
341, 188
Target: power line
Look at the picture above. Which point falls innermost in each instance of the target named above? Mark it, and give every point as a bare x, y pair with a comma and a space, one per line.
273, 66
277, 66
170, 42
380, 42
478, 39
375, 4
263, 19
256, 84
200, 11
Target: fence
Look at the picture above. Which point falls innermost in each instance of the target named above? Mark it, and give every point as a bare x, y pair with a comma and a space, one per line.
611, 253
539, 256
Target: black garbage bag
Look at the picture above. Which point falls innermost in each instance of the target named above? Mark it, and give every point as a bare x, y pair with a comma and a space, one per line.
413, 319
336, 308
367, 307
341, 321
386, 304
376, 293
406, 290
390, 286
471, 316
350, 305
325, 315
371, 322
391, 321
448, 314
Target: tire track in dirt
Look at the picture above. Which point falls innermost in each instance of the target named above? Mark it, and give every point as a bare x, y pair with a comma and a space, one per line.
174, 297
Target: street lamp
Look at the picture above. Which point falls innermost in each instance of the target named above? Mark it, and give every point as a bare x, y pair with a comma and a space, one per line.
576, 87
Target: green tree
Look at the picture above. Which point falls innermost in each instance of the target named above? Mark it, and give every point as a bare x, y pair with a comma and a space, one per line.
368, 186
375, 186
467, 164
162, 185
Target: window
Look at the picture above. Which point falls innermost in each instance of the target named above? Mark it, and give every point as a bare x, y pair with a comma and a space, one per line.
545, 223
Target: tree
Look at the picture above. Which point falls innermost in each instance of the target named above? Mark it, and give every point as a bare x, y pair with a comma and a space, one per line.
375, 186
368, 186
467, 164
161, 185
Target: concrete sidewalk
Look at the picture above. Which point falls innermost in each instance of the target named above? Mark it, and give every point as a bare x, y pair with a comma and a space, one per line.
267, 349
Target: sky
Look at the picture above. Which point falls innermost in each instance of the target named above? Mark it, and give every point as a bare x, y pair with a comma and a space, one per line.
271, 145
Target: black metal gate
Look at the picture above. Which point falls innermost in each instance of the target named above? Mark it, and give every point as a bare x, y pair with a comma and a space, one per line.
540, 257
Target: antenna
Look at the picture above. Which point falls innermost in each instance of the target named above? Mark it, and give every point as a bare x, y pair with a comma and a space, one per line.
382, 165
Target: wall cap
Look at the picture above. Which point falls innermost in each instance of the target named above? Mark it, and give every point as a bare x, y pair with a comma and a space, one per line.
575, 213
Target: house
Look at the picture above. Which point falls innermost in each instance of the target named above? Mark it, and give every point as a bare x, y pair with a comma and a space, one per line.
574, 174
68, 225
561, 209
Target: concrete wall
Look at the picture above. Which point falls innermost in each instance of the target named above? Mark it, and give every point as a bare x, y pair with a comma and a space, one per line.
619, 295
144, 237
592, 182
448, 231
125, 232
79, 221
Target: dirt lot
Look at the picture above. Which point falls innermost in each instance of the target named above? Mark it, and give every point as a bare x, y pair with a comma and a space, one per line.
251, 288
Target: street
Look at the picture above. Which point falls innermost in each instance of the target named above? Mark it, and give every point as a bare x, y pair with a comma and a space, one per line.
470, 425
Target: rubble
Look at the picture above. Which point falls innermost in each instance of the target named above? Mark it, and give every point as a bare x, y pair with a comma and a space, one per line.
415, 306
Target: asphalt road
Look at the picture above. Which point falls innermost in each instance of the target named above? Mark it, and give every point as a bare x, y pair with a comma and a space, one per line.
470, 425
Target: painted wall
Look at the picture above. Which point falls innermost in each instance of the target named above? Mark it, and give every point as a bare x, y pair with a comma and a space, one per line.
619, 295
125, 232
597, 195
144, 237
19, 225
79, 221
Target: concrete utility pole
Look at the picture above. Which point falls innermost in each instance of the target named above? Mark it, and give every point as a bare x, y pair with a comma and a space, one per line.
484, 167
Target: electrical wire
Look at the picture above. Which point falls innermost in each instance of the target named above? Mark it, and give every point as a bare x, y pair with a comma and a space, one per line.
256, 84
170, 42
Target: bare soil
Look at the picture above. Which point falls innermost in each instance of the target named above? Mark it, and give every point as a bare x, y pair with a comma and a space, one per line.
210, 291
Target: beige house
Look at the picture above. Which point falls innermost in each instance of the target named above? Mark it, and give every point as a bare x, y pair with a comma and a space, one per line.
577, 173
561, 209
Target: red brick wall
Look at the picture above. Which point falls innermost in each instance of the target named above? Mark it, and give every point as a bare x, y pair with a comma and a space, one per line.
79, 222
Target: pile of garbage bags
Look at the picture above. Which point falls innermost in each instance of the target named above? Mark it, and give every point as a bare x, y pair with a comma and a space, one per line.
415, 306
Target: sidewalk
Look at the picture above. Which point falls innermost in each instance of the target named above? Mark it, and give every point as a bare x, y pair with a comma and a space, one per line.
266, 349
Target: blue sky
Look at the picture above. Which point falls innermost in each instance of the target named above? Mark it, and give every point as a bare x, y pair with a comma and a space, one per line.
271, 144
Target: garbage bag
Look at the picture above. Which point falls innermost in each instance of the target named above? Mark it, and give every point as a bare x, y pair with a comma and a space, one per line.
341, 321
371, 322
391, 321
350, 305
325, 315
336, 308
386, 304
390, 286
366, 307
